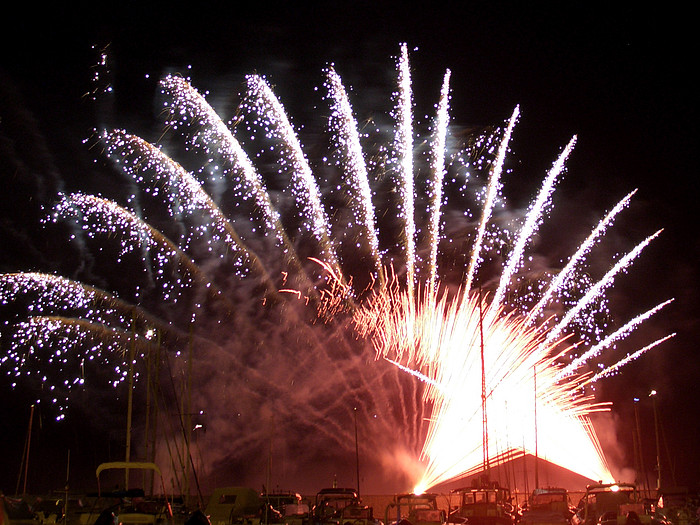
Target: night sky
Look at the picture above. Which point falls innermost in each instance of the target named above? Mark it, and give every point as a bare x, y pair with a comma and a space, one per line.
618, 78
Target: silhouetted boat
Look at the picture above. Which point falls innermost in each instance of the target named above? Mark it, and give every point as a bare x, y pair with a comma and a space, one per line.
676, 505
16, 511
129, 506
547, 506
415, 509
615, 504
284, 507
234, 505
337, 506
484, 503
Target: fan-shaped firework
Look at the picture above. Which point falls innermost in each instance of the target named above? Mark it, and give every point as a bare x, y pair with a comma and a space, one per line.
280, 274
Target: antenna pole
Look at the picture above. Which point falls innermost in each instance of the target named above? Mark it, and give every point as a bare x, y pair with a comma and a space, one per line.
357, 454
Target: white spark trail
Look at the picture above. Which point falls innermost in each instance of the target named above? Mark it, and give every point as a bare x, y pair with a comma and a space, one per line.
600, 286
438, 174
191, 197
404, 152
344, 127
582, 250
189, 105
614, 368
101, 216
304, 185
59, 294
491, 192
618, 334
533, 220
414, 373
214, 137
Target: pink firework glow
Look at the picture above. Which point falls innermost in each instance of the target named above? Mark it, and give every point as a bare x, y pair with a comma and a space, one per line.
388, 280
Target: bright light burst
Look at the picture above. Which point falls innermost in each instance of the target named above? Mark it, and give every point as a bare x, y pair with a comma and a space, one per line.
486, 358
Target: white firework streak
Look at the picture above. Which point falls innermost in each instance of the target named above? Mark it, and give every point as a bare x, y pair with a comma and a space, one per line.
189, 104
53, 341
608, 340
54, 289
603, 283
533, 220
58, 293
113, 216
614, 368
344, 128
181, 184
582, 250
491, 192
404, 151
108, 217
414, 373
438, 174
304, 185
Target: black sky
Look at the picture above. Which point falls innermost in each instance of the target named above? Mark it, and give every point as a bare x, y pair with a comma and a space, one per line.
620, 78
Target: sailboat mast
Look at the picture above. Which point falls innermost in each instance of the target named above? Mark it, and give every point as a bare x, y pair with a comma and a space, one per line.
652, 394
640, 457
65, 498
485, 432
357, 454
268, 476
537, 472
25, 456
188, 419
130, 405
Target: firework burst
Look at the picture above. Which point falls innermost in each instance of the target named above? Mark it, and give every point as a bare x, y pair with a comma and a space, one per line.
218, 256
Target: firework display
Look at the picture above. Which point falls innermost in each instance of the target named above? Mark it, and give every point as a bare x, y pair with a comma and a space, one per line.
384, 282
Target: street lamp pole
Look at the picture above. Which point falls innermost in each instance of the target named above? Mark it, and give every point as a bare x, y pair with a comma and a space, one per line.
652, 394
